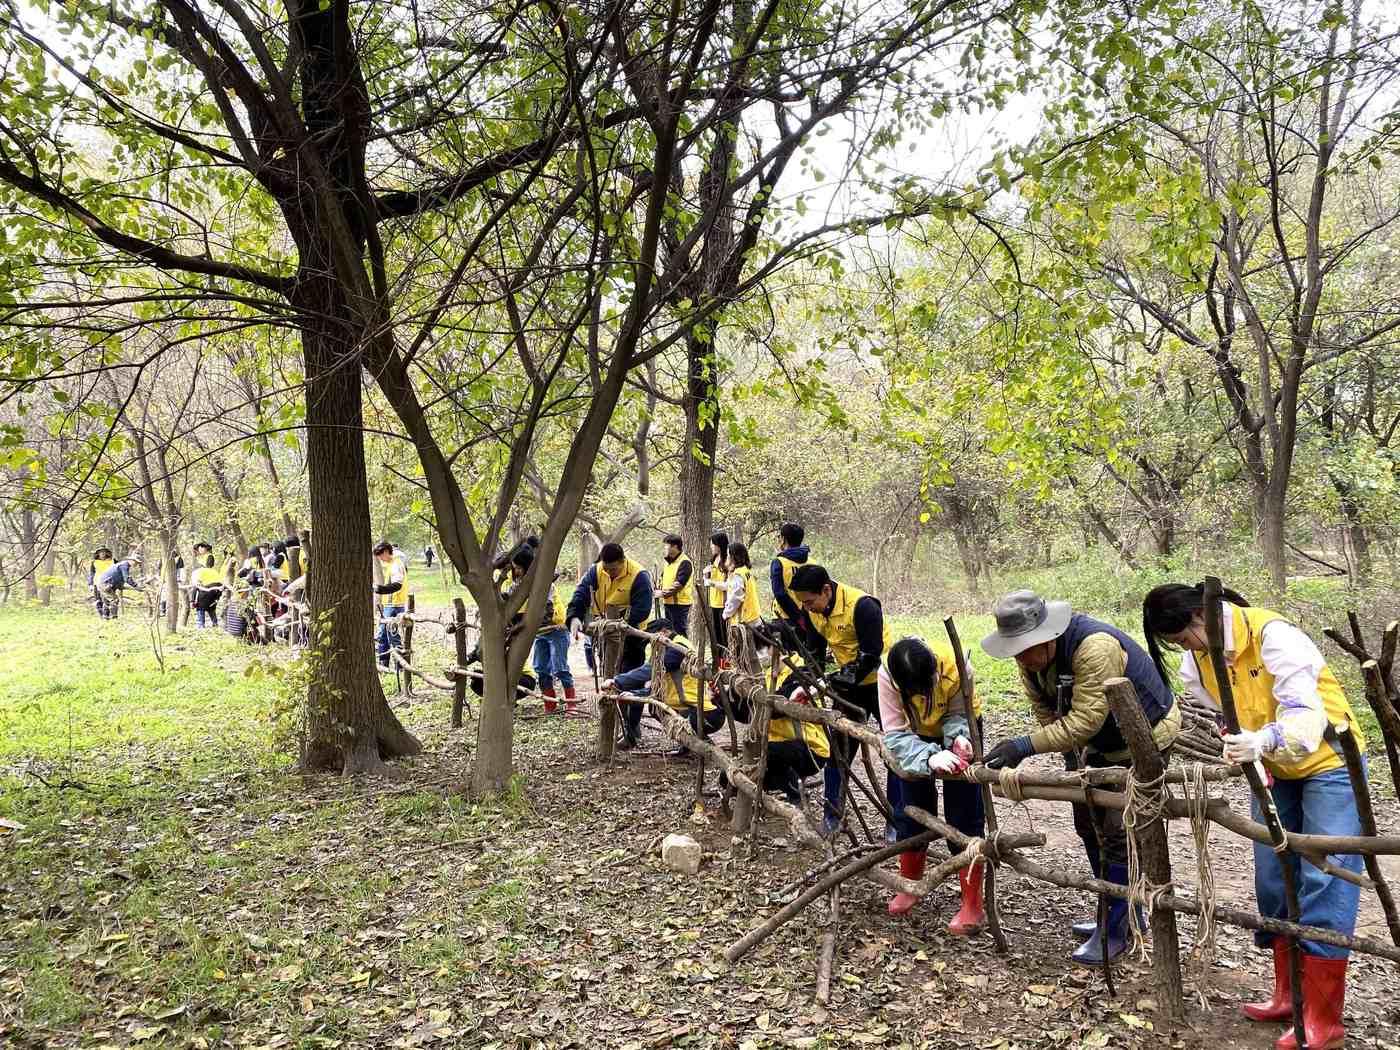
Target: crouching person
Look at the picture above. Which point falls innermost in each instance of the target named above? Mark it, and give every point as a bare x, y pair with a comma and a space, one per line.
918, 685
678, 689
796, 749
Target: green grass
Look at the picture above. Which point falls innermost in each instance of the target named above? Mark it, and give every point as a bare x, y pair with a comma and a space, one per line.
74, 684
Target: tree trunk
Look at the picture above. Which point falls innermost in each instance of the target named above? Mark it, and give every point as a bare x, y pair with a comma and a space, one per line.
495, 731
29, 553
170, 579
1357, 536
350, 727
1271, 538
697, 476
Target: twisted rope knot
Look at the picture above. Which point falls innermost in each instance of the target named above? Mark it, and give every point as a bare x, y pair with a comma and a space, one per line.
1146, 802
1202, 955
1009, 780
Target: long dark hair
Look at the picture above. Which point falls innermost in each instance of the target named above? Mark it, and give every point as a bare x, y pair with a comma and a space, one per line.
739, 555
913, 669
1168, 609
720, 540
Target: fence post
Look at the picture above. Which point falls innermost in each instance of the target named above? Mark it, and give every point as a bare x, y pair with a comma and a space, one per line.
459, 680
1151, 843
407, 639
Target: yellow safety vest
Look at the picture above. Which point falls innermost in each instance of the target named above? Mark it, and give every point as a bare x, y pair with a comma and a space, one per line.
668, 580
748, 611
715, 576
99, 566
781, 729
788, 567
207, 577
839, 629
553, 618
926, 713
1253, 687
691, 691
610, 593
400, 596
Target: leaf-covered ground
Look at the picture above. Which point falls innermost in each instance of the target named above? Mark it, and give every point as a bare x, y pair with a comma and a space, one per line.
178, 887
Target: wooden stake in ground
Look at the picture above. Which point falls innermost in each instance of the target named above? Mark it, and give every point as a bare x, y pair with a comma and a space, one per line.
974, 734
459, 682
1151, 842
1367, 814
1215, 640
404, 677
607, 654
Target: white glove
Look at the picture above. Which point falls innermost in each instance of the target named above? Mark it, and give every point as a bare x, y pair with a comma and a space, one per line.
962, 747
575, 629
946, 761
607, 684
1247, 745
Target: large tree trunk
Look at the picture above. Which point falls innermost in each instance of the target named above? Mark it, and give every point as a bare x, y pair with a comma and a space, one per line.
1272, 544
350, 727
495, 732
697, 480
170, 579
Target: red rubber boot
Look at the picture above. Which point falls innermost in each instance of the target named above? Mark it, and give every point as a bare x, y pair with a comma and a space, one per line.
550, 704
570, 701
1324, 994
911, 866
1280, 1007
970, 917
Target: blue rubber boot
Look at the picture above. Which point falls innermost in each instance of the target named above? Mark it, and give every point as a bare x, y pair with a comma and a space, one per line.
1113, 941
833, 781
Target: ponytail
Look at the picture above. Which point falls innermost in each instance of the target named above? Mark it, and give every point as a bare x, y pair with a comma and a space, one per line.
1168, 609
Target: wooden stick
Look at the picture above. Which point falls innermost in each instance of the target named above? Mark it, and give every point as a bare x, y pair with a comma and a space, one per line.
827, 959
1234, 916
974, 733
1215, 635
459, 683
1386, 715
606, 657
1366, 811
405, 678
769, 926
1151, 843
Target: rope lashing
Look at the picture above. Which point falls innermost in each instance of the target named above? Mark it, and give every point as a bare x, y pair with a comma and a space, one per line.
1202, 955
1146, 801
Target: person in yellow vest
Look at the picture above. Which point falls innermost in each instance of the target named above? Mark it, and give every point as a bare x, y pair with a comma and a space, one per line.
677, 596
1286, 697
851, 625
796, 750
926, 729
792, 554
550, 655
679, 690
206, 586
740, 589
617, 587
101, 561
715, 575
393, 599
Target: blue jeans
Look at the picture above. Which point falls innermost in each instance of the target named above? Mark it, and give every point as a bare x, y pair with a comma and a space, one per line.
678, 616
1318, 805
962, 804
388, 636
200, 614
551, 659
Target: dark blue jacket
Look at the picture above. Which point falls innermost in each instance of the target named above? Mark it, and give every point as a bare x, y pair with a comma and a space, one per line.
118, 577
1152, 692
775, 578
639, 598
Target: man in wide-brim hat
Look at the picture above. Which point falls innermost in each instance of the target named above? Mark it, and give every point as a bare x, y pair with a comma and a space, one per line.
1065, 658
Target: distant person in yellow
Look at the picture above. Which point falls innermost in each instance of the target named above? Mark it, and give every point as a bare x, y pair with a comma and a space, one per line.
206, 585
393, 599
715, 575
550, 655
101, 562
740, 588
676, 594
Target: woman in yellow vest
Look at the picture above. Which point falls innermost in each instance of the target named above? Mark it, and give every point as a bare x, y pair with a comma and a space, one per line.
206, 586
796, 750
925, 727
715, 575
1286, 696
550, 653
740, 589
392, 595
677, 595
101, 561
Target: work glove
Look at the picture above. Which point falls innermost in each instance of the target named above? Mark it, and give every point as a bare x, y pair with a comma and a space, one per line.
1010, 753
799, 695
575, 629
844, 680
947, 762
1247, 745
607, 684
962, 747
